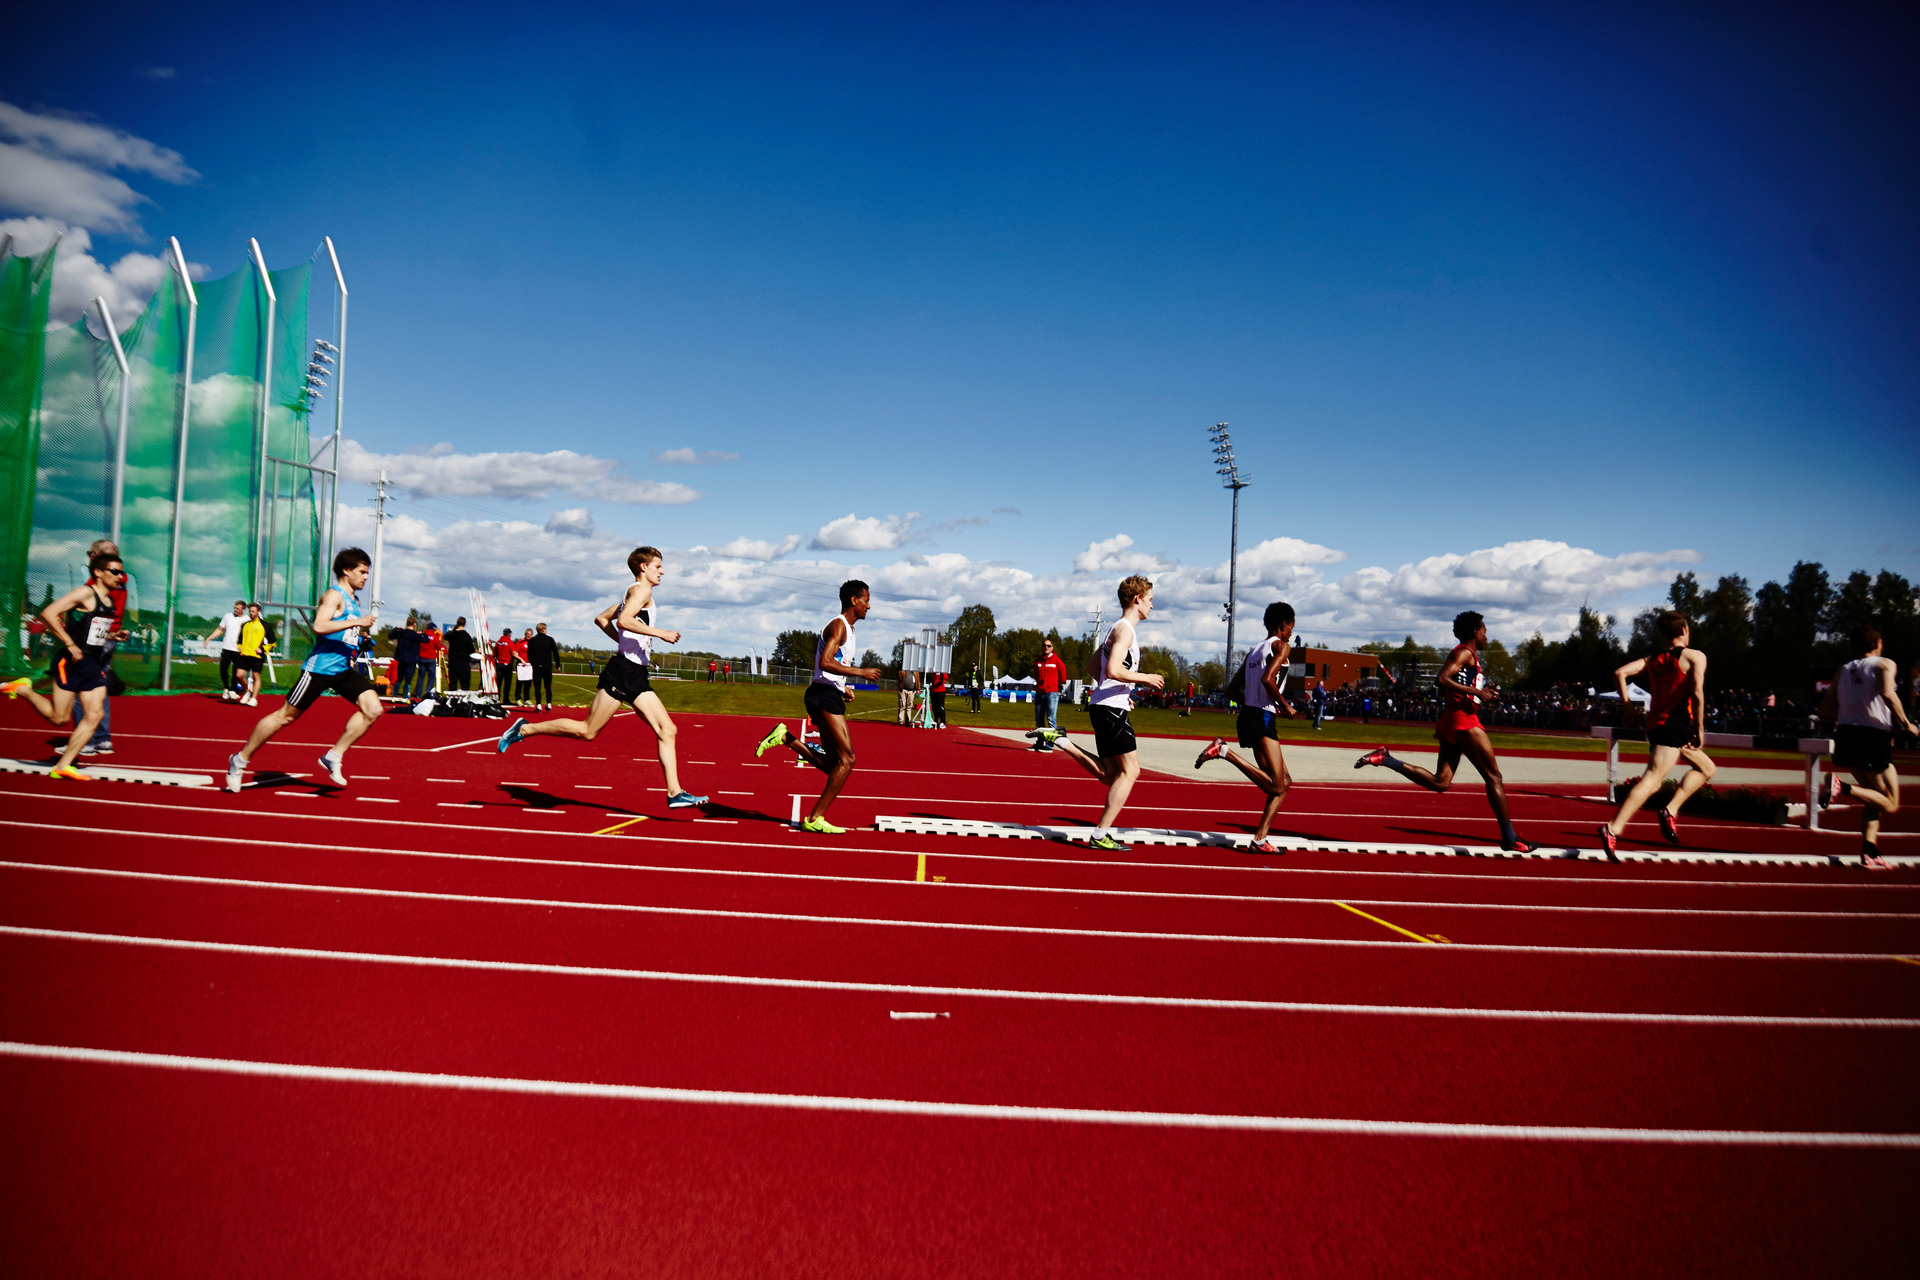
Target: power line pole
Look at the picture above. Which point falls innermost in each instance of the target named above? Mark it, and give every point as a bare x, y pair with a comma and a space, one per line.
1227, 468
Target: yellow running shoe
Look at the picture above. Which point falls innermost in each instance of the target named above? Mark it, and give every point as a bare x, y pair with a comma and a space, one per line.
14, 688
70, 773
772, 740
821, 827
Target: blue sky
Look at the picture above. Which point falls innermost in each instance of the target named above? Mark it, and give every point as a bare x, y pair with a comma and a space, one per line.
1509, 308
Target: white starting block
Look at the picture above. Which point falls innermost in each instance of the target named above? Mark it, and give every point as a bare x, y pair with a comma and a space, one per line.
108, 773
1811, 748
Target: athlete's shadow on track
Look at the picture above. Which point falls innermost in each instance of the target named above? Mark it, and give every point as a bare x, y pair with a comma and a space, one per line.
1449, 837
273, 780
534, 798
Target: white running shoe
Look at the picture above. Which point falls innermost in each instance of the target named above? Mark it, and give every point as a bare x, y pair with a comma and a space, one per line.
332, 764
236, 773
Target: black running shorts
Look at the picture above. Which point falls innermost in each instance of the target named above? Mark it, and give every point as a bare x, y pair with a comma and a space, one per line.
1863, 747
1112, 732
349, 684
823, 700
1254, 724
1674, 731
244, 662
78, 675
624, 679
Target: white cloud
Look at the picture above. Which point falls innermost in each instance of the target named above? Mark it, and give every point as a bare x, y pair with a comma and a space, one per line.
440, 472
79, 277
1112, 554
58, 166
870, 533
687, 457
754, 548
575, 520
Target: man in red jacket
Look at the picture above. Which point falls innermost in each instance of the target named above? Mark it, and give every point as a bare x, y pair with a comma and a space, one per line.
1050, 675
503, 664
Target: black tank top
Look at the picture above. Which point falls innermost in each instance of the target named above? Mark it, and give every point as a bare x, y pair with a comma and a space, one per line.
93, 630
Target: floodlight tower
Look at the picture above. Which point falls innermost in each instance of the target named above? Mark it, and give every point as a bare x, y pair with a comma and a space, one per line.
1233, 479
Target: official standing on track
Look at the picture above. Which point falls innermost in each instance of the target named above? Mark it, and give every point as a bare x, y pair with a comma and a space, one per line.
503, 665
406, 656
460, 657
253, 656
543, 652
1050, 676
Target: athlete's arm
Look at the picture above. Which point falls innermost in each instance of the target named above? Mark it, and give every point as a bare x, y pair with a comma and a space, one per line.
1892, 695
604, 621
1455, 661
1271, 678
1117, 658
58, 610
1699, 665
630, 621
328, 618
839, 627
630, 618
1830, 705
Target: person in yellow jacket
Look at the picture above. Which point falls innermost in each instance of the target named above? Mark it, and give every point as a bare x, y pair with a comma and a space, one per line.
253, 655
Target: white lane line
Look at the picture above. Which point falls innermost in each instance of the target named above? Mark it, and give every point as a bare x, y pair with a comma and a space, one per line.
982, 993
1066, 890
961, 926
370, 777
734, 793
962, 1110
589, 787
375, 800
593, 757
456, 804
453, 746
446, 779
1878, 885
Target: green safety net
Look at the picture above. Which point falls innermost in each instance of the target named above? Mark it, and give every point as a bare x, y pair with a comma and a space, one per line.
26, 289
249, 527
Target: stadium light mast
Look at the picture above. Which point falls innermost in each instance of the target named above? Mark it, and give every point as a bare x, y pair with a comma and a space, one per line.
179, 261
1231, 478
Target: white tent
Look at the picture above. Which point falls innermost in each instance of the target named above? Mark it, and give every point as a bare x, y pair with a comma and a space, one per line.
1635, 694
1024, 682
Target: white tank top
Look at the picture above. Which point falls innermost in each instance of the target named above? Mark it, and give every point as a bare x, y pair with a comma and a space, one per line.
1859, 696
1257, 660
1109, 692
843, 655
637, 648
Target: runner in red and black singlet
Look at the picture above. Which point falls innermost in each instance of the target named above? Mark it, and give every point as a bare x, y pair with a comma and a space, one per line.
1676, 680
1463, 690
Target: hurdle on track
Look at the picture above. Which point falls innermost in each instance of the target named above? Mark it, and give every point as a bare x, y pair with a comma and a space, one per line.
1811, 748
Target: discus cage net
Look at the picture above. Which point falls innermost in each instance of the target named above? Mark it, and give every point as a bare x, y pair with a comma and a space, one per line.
184, 437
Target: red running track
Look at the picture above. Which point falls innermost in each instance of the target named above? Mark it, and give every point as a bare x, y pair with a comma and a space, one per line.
436, 1025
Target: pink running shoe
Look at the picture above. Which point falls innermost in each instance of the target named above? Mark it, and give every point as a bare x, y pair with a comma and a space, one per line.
1874, 862
1212, 751
1265, 845
1609, 843
1830, 790
1376, 756
1668, 827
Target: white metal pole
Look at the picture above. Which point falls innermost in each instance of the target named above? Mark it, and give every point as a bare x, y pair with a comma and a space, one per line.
339, 392
262, 503
120, 446
180, 459
379, 536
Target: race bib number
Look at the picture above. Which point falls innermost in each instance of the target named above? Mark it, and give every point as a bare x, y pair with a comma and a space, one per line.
99, 629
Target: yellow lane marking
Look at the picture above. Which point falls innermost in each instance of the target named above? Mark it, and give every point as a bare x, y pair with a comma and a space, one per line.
1904, 959
921, 874
1391, 925
618, 825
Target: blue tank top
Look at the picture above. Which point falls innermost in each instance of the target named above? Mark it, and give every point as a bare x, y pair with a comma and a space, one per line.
336, 651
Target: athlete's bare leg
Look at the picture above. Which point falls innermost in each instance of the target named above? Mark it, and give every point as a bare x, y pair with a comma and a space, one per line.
1660, 762
1117, 773
837, 732
1878, 794
268, 725
649, 708
365, 712
55, 709
1692, 780
602, 709
1440, 779
1479, 749
93, 705
1273, 779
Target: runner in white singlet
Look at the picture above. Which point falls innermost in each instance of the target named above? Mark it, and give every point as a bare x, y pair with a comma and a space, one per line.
1264, 684
1115, 670
1865, 707
626, 678
826, 703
